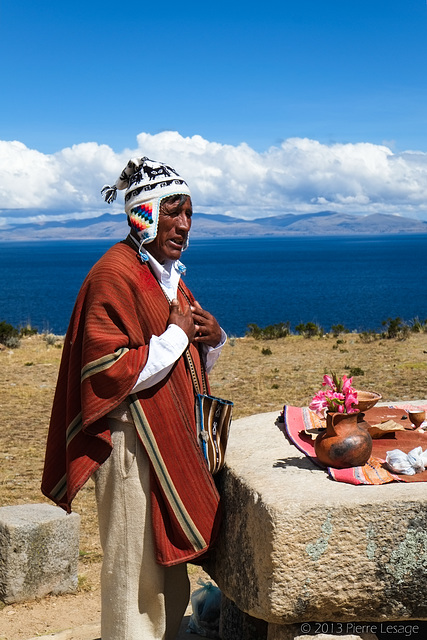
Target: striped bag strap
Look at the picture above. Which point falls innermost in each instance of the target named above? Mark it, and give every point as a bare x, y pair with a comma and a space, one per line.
193, 373
190, 361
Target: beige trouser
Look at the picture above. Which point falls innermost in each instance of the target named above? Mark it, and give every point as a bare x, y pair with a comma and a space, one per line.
140, 599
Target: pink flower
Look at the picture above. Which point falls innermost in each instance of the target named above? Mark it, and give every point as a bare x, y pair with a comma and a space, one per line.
346, 383
339, 397
350, 399
328, 381
319, 404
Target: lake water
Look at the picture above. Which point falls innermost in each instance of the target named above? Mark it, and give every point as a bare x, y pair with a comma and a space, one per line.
356, 281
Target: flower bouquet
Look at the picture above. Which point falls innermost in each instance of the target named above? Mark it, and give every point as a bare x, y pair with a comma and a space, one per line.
338, 396
345, 442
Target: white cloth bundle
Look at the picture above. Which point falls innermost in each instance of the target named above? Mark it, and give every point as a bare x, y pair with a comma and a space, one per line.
407, 463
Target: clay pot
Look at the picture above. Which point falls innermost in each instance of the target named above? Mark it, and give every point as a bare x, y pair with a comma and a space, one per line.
344, 443
366, 400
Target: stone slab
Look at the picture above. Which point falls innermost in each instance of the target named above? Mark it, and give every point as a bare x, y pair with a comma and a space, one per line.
297, 546
39, 549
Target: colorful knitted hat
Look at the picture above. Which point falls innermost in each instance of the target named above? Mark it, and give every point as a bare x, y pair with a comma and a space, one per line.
146, 182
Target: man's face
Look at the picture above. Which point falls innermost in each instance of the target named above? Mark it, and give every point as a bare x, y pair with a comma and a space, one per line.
172, 231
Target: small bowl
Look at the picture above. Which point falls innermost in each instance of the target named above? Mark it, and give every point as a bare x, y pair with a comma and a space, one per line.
366, 400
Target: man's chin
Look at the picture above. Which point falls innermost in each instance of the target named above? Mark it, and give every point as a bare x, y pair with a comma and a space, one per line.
175, 249
173, 254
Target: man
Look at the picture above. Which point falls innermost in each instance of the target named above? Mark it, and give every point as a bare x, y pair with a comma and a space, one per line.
124, 410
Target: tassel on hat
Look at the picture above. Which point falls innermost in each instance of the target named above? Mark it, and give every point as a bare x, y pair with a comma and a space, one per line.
109, 193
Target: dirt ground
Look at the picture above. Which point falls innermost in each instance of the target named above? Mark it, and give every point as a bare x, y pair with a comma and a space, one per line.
259, 376
79, 612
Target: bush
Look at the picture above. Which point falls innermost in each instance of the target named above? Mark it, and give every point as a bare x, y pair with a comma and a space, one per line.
337, 329
354, 371
309, 330
418, 326
395, 328
12, 342
50, 339
367, 336
9, 336
254, 331
266, 352
271, 332
28, 330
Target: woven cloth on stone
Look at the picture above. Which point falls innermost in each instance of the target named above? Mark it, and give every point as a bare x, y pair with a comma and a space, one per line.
297, 420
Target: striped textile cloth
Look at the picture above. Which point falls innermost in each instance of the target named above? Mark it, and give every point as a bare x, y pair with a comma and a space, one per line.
119, 307
297, 420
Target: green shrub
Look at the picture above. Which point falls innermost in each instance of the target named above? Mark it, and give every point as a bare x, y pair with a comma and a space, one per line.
368, 336
28, 330
12, 342
418, 326
9, 336
337, 329
309, 329
354, 371
395, 328
253, 331
271, 332
50, 339
266, 352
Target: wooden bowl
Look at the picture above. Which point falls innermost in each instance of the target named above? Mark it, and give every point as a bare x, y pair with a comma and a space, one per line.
366, 400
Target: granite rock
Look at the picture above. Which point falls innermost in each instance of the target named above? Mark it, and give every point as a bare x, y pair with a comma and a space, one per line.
39, 549
297, 546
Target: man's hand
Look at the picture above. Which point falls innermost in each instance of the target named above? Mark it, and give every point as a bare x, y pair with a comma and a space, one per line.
184, 319
207, 328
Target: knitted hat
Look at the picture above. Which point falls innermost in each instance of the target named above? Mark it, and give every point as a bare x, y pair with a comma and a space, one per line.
146, 182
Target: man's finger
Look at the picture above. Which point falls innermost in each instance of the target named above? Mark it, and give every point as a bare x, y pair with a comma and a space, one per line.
198, 311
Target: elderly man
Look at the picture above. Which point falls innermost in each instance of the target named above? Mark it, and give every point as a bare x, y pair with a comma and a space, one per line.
124, 410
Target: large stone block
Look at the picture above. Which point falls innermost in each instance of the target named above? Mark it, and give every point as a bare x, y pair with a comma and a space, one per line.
297, 546
39, 549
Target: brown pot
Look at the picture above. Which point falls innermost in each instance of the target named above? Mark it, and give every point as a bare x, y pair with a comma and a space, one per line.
344, 443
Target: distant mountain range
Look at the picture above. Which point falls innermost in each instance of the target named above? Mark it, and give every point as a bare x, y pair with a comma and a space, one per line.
324, 223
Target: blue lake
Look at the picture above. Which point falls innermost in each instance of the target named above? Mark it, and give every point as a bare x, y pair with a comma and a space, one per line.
356, 281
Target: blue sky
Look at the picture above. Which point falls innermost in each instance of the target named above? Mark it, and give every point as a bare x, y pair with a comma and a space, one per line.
337, 72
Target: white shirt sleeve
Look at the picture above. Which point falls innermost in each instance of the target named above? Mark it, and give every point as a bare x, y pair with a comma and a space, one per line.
163, 352
211, 354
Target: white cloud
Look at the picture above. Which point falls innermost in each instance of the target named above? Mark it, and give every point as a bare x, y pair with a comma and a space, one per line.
297, 176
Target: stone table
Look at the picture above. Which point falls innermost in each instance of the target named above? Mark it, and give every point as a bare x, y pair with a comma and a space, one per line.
298, 547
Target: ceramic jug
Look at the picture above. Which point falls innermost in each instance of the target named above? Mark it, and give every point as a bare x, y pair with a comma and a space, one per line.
344, 443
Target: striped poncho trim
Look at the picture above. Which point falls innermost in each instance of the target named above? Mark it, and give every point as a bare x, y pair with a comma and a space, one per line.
102, 363
148, 439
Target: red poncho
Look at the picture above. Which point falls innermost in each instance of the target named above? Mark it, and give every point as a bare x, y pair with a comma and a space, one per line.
119, 307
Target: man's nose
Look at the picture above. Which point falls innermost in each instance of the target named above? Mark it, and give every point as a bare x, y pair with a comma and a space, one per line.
184, 221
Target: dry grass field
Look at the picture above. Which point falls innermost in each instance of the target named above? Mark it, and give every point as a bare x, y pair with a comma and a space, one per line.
258, 375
